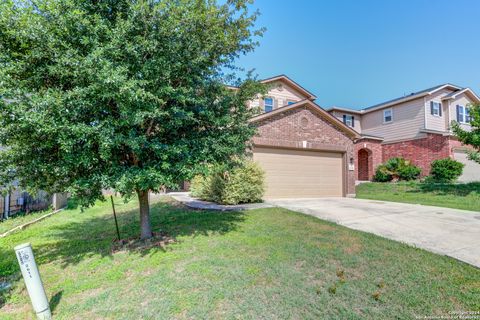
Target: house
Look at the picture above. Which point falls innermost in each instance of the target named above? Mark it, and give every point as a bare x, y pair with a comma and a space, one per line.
416, 127
305, 151
309, 152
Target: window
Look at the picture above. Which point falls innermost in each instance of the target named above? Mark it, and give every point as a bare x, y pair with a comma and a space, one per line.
268, 102
387, 116
436, 108
349, 120
289, 102
463, 114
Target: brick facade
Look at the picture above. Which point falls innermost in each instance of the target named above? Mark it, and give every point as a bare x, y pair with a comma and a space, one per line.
422, 151
302, 128
373, 150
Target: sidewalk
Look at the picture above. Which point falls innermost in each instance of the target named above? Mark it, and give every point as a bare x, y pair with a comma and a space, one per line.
194, 203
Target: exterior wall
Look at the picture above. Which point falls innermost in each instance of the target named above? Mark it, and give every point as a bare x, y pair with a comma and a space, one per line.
301, 128
374, 149
60, 200
471, 171
408, 119
281, 94
463, 100
436, 122
358, 119
422, 151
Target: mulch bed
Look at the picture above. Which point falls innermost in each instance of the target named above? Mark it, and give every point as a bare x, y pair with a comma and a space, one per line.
159, 240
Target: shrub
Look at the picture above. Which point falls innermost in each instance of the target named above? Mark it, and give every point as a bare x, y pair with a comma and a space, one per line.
242, 184
409, 172
382, 174
445, 170
396, 169
199, 186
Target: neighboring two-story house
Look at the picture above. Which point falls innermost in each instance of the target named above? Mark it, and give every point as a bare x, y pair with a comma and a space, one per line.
416, 127
309, 152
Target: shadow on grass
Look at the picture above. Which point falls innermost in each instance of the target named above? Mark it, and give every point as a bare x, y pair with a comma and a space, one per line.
55, 300
74, 241
461, 189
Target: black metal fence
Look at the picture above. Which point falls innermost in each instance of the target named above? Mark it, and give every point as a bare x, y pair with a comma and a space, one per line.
18, 201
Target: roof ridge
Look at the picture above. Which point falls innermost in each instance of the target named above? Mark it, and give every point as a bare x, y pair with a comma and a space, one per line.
426, 91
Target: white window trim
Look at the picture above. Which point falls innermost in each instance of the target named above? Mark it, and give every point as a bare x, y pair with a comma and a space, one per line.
265, 105
391, 115
439, 107
464, 115
350, 125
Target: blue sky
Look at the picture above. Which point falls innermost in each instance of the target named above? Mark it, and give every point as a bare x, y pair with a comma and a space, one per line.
356, 53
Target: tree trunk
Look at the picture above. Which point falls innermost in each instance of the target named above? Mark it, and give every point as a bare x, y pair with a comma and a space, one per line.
145, 226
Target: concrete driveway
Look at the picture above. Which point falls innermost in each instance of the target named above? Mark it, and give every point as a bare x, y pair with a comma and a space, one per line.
450, 232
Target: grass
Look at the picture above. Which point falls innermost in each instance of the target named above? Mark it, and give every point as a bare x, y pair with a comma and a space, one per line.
259, 264
464, 196
20, 218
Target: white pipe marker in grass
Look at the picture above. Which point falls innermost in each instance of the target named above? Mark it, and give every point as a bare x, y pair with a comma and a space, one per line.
33, 282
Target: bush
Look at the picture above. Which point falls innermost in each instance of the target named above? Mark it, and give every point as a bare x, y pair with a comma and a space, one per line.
382, 174
242, 184
445, 170
409, 172
199, 186
396, 169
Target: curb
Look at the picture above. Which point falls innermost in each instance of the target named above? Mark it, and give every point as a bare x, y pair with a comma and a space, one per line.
197, 204
23, 226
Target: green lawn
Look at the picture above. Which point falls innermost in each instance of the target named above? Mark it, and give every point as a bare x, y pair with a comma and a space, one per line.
459, 196
19, 219
259, 264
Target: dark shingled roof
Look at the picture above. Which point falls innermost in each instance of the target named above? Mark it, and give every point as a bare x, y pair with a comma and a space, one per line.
414, 94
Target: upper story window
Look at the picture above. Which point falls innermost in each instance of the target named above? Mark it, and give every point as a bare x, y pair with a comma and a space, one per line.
289, 102
349, 120
436, 108
268, 104
463, 114
387, 115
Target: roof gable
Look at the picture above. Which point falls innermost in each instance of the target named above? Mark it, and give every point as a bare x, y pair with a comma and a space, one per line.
466, 91
283, 78
407, 98
412, 96
317, 110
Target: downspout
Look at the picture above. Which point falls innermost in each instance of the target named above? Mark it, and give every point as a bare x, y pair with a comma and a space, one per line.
424, 113
449, 117
6, 206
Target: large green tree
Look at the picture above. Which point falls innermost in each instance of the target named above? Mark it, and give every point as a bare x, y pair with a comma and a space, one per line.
470, 137
123, 94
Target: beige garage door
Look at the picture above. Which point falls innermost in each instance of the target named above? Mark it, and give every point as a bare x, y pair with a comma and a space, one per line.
301, 174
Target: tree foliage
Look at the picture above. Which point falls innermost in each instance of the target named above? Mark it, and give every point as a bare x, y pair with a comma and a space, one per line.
470, 137
121, 94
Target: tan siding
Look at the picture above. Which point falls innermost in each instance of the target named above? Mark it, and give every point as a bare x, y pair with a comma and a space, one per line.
463, 100
255, 103
408, 119
435, 122
281, 93
358, 119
